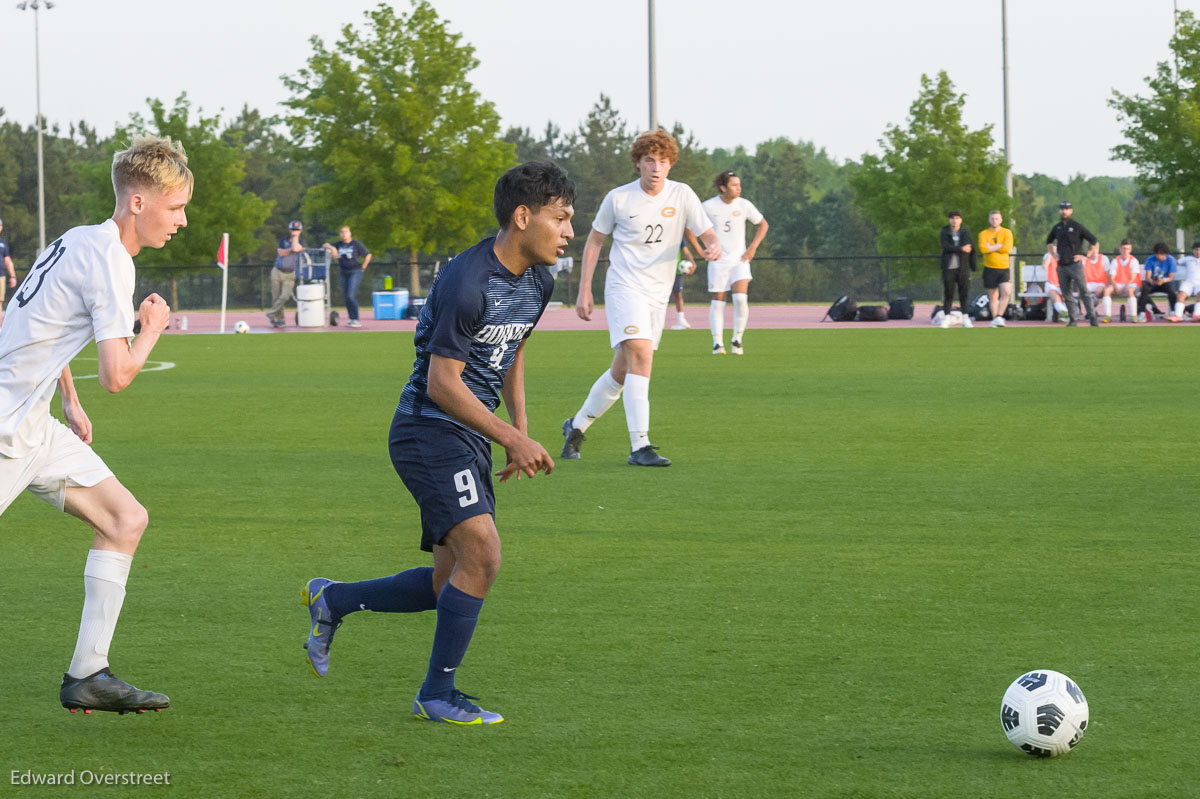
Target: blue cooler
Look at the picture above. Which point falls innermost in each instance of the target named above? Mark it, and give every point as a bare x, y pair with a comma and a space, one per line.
389, 304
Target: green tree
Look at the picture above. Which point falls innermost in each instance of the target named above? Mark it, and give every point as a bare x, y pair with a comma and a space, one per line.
1150, 223
598, 160
1162, 129
218, 204
408, 151
934, 164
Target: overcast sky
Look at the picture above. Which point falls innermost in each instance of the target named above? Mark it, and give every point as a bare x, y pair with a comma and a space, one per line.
733, 71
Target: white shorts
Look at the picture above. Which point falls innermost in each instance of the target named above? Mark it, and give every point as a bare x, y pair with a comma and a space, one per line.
60, 462
1052, 288
1096, 288
1123, 288
633, 315
1189, 288
723, 274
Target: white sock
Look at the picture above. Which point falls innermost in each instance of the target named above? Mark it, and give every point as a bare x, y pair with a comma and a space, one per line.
1061, 307
1179, 309
104, 579
679, 317
604, 393
1107, 303
1130, 308
741, 315
716, 320
637, 410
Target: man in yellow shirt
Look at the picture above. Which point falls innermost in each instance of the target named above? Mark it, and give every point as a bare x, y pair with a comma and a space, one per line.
996, 243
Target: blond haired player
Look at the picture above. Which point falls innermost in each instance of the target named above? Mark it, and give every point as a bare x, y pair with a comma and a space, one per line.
79, 289
646, 219
1124, 279
729, 212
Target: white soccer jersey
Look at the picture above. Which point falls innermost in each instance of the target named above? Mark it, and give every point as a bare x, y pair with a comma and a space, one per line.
729, 223
1191, 265
80, 288
646, 233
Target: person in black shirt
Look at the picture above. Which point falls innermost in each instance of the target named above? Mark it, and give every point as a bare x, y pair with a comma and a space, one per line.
958, 262
1068, 235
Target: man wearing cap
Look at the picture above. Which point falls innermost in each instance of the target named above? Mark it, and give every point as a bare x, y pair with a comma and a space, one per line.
1068, 235
283, 276
9, 282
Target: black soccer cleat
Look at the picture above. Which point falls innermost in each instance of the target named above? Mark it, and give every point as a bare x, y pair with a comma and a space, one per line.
103, 691
572, 438
646, 456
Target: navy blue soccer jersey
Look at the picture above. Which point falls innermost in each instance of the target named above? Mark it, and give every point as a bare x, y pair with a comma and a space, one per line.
477, 312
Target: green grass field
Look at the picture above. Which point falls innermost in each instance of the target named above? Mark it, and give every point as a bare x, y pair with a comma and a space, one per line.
865, 537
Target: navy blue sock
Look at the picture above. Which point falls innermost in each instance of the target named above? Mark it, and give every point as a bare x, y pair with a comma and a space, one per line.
457, 614
407, 592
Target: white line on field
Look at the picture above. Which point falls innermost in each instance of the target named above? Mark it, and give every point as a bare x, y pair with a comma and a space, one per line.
159, 366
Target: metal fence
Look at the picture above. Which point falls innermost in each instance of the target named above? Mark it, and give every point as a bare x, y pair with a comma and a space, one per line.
799, 279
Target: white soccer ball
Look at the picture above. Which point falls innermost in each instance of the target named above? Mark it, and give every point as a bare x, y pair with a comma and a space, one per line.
686, 267
241, 327
1044, 714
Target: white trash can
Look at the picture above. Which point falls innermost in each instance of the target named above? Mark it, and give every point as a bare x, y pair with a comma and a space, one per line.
310, 305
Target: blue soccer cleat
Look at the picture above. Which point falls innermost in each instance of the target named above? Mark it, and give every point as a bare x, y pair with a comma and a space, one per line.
458, 709
320, 636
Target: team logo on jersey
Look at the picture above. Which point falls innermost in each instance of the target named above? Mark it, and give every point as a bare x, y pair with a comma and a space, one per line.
498, 334
631, 329
669, 211
737, 213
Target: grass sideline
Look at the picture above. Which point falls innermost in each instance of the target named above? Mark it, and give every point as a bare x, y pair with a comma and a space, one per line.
865, 537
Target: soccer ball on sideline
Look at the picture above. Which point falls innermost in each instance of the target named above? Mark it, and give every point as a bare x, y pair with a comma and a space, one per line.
241, 327
1044, 714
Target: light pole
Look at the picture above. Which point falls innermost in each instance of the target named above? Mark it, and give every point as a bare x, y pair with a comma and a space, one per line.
1008, 173
653, 91
37, 82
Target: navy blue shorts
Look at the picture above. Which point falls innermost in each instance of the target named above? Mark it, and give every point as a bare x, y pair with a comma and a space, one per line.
678, 287
447, 469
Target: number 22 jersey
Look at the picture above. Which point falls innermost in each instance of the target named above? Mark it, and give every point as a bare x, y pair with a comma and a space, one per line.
646, 233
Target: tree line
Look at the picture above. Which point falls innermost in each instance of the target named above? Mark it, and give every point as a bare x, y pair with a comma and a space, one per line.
384, 132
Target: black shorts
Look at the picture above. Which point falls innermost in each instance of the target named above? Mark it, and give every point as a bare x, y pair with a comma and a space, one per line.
992, 278
447, 469
678, 287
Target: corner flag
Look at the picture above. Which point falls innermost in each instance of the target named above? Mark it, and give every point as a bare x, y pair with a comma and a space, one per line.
223, 262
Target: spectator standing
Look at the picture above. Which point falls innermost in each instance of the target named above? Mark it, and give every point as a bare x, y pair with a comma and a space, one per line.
353, 257
996, 243
283, 276
958, 261
1068, 237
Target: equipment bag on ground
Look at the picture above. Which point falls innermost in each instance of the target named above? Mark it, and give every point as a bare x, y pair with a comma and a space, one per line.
900, 308
843, 309
980, 308
872, 313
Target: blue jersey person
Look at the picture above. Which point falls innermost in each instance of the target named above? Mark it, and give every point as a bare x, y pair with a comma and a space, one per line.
470, 342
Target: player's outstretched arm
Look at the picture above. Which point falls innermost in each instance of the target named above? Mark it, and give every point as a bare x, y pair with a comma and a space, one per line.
447, 389
584, 304
77, 420
121, 361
